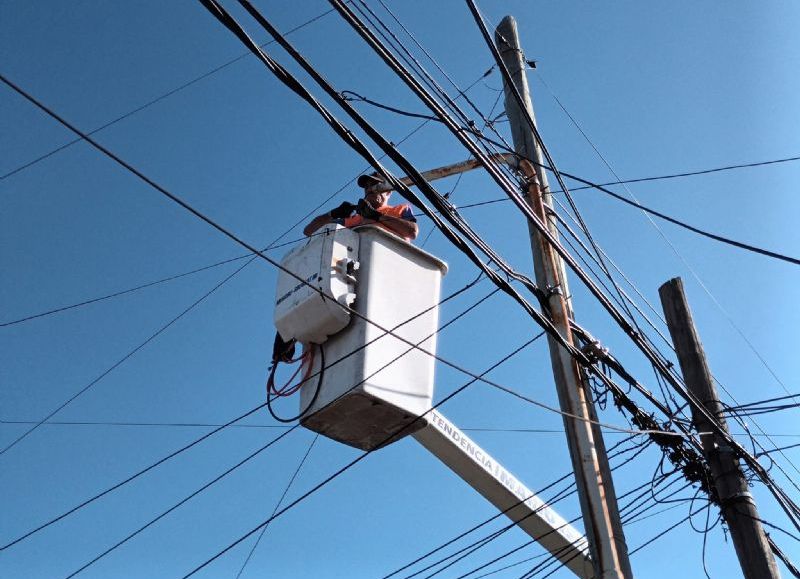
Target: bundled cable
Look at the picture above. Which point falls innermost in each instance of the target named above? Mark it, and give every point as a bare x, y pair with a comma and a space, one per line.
284, 352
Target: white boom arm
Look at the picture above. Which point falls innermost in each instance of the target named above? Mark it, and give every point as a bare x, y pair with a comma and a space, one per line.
487, 476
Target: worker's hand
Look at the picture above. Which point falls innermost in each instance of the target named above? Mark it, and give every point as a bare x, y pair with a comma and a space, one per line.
367, 211
344, 210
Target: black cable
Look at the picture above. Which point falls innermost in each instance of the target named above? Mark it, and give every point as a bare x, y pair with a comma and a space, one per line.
473, 547
783, 498
571, 489
272, 246
664, 532
488, 164
121, 293
146, 285
739, 407
359, 458
500, 514
512, 88
692, 228
118, 485
278, 504
347, 135
674, 221
292, 83
472, 529
253, 455
177, 505
782, 556
553, 558
641, 179
431, 194
146, 424
353, 96
122, 360
130, 478
213, 7
559, 564
317, 388
156, 100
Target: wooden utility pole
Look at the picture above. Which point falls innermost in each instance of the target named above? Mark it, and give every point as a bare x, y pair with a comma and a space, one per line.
589, 459
737, 504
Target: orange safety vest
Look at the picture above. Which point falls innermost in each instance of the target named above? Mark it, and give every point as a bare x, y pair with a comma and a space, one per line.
402, 211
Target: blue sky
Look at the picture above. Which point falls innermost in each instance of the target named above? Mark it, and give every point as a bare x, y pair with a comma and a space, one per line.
659, 89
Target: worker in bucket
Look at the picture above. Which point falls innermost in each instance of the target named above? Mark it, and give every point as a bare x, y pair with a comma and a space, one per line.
373, 209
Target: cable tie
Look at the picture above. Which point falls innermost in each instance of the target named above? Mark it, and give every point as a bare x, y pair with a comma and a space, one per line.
742, 496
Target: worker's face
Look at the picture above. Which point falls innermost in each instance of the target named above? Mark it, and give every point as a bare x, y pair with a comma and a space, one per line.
377, 199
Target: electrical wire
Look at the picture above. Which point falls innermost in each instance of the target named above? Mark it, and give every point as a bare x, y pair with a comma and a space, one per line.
469, 549
119, 362
131, 478
789, 507
278, 504
270, 247
257, 452
155, 100
177, 505
345, 356
186, 206
553, 558
501, 513
358, 459
651, 178
664, 532
782, 498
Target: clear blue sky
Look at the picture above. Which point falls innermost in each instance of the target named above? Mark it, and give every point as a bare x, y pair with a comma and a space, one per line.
659, 89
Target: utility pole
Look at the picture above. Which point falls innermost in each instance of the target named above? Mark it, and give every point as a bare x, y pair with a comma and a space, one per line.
589, 458
737, 504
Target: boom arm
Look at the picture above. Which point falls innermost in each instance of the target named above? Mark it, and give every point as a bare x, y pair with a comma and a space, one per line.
487, 476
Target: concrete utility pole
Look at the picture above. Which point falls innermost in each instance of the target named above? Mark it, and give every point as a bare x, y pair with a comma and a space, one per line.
589, 459
737, 504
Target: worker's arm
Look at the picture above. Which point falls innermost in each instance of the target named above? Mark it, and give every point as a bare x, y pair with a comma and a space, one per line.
316, 223
344, 210
402, 227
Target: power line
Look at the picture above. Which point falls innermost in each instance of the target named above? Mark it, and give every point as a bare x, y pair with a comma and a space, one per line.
161, 461
465, 206
257, 452
132, 477
591, 185
178, 504
557, 497
222, 230
120, 293
272, 246
290, 81
552, 557
278, 504
652, 178
747, 341
786, 503
256, 253
155, 100
119, 362
358, 459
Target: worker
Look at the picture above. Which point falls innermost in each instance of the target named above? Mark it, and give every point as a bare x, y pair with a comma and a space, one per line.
373, 209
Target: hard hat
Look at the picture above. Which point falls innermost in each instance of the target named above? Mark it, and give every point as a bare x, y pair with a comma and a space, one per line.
369, 180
